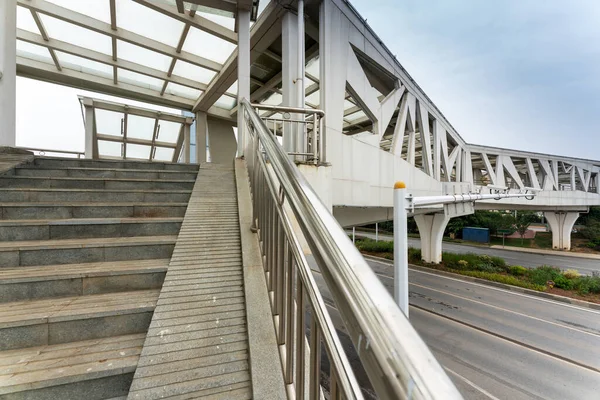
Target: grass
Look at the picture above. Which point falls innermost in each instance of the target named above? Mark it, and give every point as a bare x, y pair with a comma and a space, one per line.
495, 269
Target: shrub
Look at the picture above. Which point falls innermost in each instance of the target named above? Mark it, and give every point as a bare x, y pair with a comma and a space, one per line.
517, 270
485, 267
375, 247
414, 255
506, 279
571, 274
463, 264
543, 274
587, 284
498, 262
451, 260
563, 282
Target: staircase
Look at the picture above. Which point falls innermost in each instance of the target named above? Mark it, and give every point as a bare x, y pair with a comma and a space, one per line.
84, 249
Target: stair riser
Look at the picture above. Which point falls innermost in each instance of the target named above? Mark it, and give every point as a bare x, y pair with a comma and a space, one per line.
74, 330
50, 232
16, 258
104, 173
80, 286
94, 184
62, 163
99, 196
94, 389
64, 212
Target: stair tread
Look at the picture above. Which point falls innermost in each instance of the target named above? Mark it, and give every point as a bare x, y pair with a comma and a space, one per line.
21, 313
167, 171
89, 178
89, 221
51, 365
89, 204
86, 243
94, 190
67, 271
42, 158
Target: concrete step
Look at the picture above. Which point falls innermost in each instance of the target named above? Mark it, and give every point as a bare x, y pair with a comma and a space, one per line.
93, 195
70, 319
69, 251
90, 369
55, 162
79, 172
30, 283
12, 230
94, 183
75, 209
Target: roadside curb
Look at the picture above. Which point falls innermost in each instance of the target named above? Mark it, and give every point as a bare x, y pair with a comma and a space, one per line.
547, 252
516, 289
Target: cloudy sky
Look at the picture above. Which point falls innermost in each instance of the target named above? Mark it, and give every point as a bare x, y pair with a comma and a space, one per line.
511, 73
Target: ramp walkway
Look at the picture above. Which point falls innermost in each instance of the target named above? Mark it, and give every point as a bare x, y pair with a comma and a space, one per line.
197, 343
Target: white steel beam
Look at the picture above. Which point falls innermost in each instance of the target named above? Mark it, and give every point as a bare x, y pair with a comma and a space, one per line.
8, 80
243, 68
95, 25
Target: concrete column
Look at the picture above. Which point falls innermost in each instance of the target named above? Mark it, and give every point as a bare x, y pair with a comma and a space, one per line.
289, 70
561, 225
8, 72
89, 128
187, 148
243, 21
201, 125
431, 230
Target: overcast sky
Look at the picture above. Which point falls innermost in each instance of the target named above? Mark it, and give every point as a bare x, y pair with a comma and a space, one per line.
511, 73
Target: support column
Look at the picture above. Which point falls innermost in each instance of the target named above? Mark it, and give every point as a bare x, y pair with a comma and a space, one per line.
561, 225
187, 148
289, 74
431, 230
243, 25
89, 128
8, 72
201, 125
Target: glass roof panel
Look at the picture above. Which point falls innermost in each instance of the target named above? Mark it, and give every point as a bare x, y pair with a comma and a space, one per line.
348, 104
76, 35
98, 9
183, 91
135, 78
112, 149
25, 20
138, 151
34, 52
206, 45
312, 67
84, 65
222, 20
356, 116
274, 100
226, 102
149, 23
108, 122
233, 89
194, 72
163, 154
314, 98
139, 128
140, 55
169, 131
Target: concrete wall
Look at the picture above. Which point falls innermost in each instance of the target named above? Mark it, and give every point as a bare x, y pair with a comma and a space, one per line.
221, 139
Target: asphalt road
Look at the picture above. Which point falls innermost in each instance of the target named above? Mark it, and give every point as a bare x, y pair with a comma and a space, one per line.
529, 260
496, 344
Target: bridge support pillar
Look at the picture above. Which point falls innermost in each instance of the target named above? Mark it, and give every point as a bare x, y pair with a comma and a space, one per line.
561, 225
8, 72
431, 230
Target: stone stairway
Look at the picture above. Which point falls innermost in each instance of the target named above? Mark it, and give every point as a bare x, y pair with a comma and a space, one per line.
84, 249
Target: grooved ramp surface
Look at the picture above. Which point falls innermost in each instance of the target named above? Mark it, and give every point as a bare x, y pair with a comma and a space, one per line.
197, 344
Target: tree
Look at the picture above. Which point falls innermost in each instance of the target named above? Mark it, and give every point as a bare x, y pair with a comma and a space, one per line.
522, 222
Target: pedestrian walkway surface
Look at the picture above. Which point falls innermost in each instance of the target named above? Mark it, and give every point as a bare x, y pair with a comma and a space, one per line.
197, 343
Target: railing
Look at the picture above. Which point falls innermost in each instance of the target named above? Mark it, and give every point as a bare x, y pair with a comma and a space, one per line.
398, 363
44, 152
307, 140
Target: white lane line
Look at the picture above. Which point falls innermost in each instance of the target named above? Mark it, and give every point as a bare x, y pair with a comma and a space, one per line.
474, 386
506, 310
554, 302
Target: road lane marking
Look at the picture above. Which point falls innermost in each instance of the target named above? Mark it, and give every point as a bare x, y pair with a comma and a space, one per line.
504, 309
474, 386
555, 302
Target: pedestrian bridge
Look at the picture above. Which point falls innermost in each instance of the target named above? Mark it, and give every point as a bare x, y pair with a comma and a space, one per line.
319, 120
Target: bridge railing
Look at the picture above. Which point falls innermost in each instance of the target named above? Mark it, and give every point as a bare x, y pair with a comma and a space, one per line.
397, 361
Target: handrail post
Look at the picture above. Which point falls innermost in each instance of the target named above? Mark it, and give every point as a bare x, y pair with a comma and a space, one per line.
400, 247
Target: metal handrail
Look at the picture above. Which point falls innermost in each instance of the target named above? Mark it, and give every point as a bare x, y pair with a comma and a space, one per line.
79, 154
397, 361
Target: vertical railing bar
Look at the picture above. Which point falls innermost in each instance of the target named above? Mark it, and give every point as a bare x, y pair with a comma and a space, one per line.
289, 329
333, 387
279, 295
299, 337
275, 260
315, 358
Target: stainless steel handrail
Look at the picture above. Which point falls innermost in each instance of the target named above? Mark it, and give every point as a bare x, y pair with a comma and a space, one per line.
79, 154
397, 361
